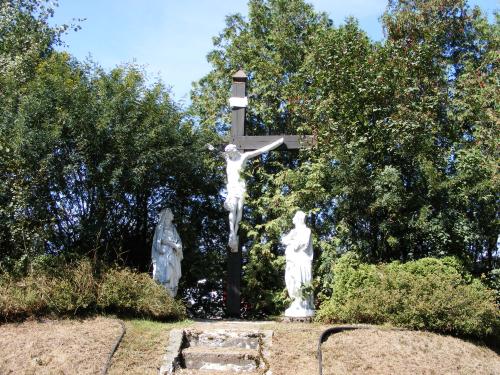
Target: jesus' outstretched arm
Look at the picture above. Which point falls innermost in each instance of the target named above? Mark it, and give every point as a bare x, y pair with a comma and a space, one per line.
269, 147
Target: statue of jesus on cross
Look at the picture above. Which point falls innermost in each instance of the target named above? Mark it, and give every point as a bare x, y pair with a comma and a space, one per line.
243, 147
236, 187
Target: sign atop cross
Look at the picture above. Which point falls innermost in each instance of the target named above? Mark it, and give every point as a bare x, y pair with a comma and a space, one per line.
244, 142
239, 102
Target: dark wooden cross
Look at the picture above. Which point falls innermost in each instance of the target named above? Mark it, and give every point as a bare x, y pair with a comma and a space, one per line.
247, 143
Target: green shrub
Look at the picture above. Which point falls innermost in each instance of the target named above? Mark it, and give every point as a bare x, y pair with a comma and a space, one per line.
126, 292
492, 279
20, 298
70, 291
428, 294
52, 288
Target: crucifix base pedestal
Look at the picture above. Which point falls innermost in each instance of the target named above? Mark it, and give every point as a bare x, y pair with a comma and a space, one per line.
233, 292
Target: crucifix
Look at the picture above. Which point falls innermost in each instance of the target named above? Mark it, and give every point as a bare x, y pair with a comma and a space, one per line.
242, 148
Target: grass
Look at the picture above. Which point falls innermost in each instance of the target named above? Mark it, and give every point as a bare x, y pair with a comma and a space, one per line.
65, 346
380, 350
143, 346
384, 351
294, 348
81, 347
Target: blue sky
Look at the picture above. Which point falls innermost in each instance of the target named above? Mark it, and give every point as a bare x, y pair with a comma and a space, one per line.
171, 38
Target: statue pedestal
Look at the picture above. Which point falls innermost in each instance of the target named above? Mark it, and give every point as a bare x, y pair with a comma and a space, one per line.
303, 319
300, 308
298, 313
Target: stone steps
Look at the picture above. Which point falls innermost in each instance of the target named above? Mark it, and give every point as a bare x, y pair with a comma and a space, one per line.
224, 339
221, 358
211, 372
220, 352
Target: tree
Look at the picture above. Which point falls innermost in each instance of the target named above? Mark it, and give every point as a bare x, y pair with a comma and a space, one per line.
389, 177
270, 46
25, 39
475, 185
26, 36
88, 157
94, 155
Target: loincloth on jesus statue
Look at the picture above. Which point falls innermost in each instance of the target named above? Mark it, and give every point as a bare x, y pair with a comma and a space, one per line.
235, 195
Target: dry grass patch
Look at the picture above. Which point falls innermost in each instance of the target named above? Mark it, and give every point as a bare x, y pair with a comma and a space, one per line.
142, 347
380, 351
376, 351
82, 347
57, 346
294, 348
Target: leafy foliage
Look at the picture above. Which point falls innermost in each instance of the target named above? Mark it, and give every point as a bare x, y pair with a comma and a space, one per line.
404, 166
91, 158
88, 157
405, 162
26, 37
125, 292
61, 290
427, 294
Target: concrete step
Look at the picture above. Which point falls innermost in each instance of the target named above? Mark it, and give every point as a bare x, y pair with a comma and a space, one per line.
224, 338
223, 351
220, 359
212, 372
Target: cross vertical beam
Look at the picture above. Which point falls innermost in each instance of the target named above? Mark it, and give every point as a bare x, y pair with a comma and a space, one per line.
233, 291
238, 90
244, 142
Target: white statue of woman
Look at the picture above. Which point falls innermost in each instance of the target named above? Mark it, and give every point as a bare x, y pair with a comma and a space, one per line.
166, 253
236, 187
299, 256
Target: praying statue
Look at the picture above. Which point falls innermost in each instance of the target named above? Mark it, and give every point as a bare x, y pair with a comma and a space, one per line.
299, 256
236, 187
166, 253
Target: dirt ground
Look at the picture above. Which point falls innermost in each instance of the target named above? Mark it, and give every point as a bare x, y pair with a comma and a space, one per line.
70, 347
376, 351
294, 348
142, 348
369, 351
57, 347
379, 351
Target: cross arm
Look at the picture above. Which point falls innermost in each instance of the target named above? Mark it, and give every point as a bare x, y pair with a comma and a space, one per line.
265, 148
254, 142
